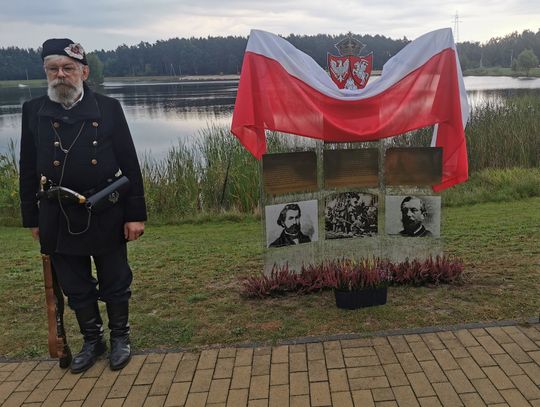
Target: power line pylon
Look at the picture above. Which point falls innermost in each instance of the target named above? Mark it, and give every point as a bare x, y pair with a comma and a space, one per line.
456, 27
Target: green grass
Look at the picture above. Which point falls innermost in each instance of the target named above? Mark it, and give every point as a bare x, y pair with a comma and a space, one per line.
495, 185
186, 291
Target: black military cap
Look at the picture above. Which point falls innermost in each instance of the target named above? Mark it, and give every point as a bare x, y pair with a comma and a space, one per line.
66, 47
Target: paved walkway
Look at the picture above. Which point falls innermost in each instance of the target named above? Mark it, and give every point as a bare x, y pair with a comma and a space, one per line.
492, 365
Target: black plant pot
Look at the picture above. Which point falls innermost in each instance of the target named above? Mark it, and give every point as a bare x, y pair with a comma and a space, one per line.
360, 298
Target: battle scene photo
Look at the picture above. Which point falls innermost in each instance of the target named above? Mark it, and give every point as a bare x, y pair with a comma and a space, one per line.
350, 214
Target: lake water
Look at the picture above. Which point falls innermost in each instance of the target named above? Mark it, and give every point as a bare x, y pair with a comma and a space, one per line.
162, 114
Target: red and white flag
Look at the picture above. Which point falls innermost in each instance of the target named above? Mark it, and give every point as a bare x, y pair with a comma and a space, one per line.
283, 89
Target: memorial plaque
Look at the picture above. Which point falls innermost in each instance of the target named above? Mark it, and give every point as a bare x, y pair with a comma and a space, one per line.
351, 168
290, 172
413, 166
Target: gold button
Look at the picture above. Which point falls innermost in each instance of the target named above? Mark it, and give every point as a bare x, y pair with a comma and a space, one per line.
56, 163
57, 144
94, 143
56, 125
94, 161
95, 124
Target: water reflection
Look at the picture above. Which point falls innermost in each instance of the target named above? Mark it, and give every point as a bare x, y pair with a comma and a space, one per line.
478, 98
173, 112
162, 114
159, 114
499, 82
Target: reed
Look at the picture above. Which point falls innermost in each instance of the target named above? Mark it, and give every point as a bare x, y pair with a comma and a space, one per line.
500, 133
216, 175
171, 184
505, 134
220, 175
9, 187
495, 185
229, 175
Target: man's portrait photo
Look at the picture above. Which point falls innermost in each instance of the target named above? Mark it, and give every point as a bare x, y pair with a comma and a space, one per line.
291, 224
350, 214
413, 216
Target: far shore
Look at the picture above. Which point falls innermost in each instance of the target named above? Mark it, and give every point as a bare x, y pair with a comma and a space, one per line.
36, 83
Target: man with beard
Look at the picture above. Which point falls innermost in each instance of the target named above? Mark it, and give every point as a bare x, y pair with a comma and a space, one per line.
77, 139
289, 220
413, 213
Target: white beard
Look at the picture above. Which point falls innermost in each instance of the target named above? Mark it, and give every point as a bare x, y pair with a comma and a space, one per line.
63, 92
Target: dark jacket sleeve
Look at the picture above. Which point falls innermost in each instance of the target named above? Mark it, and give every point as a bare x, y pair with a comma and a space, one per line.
135, 206
28, 177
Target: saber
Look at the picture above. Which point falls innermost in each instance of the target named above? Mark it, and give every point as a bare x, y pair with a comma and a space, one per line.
57, 341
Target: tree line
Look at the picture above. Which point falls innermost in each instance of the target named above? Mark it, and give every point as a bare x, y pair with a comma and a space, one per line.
223, 55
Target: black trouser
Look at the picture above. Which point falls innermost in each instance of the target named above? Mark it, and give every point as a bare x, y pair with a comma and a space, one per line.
82, 289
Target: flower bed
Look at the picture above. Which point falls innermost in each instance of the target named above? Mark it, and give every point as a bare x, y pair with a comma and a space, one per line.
347, 274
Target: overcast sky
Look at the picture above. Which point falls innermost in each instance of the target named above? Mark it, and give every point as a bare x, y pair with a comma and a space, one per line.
106, 24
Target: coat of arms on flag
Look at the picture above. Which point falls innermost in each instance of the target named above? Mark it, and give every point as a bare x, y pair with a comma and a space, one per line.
350, 70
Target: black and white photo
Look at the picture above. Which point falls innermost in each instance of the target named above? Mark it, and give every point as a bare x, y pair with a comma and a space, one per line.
413, 216
350, 214
291, 223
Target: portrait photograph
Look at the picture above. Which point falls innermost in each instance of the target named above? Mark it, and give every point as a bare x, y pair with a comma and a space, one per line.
350, 214
291, 223
413, 216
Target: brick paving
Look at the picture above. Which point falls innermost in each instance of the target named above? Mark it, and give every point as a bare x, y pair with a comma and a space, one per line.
481, 366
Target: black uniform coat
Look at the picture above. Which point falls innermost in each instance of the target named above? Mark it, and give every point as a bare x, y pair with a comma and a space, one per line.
103, 146
286, 240
420, 232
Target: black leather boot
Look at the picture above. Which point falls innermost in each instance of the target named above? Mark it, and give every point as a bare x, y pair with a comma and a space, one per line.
91, 327
119, 326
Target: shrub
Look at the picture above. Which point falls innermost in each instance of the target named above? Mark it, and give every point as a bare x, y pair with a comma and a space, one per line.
438, 270
348, 274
